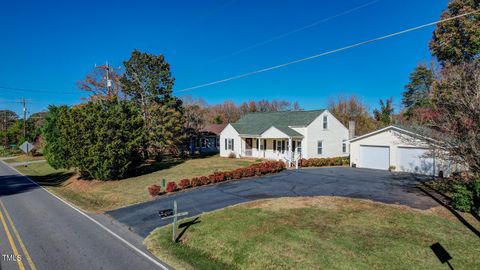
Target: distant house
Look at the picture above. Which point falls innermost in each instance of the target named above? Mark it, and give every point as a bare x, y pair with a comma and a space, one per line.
286, 136
207, 140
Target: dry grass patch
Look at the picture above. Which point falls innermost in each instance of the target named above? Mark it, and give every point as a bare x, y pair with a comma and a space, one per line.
97, 196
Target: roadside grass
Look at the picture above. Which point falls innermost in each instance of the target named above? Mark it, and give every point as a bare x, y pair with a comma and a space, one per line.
318, 233
99, 196
23, 158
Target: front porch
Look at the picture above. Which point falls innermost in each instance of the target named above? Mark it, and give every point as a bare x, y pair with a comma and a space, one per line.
285, 149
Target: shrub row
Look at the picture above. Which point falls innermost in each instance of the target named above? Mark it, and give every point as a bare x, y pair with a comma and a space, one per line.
320, 162
257, 169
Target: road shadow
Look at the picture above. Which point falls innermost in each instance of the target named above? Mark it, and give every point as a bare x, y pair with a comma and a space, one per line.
14, 184
186, 226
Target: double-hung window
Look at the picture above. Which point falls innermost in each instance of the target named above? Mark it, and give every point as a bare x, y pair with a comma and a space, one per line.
320, 147
229, 144
325, 122
263, 144
344, 146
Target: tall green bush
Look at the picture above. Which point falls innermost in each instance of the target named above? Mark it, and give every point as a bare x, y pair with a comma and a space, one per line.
101, 140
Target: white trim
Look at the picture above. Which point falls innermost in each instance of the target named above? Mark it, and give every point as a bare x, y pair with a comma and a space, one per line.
159, 264
385, 129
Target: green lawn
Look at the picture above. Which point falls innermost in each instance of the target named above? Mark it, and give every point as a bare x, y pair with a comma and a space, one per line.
97, 196
318, 233
23, 158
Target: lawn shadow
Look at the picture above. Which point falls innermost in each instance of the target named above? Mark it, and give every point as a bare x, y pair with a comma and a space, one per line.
185, 227
453, 211
158, 166
53, 179
442, 254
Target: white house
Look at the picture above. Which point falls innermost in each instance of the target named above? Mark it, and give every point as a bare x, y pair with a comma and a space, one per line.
286, 136
397, 149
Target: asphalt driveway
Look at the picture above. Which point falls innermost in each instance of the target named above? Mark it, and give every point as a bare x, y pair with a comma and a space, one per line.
376, 185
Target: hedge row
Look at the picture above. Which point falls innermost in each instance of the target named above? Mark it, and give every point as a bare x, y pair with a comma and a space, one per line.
257, 169
320, 162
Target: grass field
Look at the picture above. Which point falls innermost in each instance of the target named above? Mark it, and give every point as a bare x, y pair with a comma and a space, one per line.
23, 158
97, 196
318, 233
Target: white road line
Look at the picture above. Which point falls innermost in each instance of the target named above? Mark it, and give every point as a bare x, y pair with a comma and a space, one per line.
162, 266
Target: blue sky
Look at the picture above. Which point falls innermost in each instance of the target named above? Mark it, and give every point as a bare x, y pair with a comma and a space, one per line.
50, 45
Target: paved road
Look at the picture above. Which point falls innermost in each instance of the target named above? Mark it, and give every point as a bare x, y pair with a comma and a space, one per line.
376, 185
49, 234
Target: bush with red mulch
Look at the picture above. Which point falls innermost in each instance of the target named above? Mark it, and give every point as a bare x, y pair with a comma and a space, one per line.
184, 183
171, 187
154, 190
257, 169
196, 182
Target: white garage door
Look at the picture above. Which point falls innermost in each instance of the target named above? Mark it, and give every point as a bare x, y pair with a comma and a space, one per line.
414, 160
374, 157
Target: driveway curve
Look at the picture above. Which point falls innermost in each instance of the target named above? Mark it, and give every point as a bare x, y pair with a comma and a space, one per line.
376, 185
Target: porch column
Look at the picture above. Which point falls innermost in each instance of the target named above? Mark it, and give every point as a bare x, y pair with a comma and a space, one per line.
290, 158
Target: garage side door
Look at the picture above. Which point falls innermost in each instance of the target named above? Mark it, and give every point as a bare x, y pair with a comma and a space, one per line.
414, 160
374, 157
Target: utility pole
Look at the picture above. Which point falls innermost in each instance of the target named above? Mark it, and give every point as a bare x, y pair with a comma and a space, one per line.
24, 104
5, 128
109, 82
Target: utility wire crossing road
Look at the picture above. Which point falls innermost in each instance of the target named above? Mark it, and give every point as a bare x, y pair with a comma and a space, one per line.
40, 231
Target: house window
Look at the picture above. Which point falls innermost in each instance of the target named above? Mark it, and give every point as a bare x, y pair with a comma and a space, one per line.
230, 144
274, 145
258, 144
204, 142
263, 144
217, 142
197, 142
344, 146
319, 147
325, 122
283, 146
226, 144
299, 147
279, 146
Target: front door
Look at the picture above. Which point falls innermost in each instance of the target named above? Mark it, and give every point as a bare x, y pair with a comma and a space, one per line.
248, 147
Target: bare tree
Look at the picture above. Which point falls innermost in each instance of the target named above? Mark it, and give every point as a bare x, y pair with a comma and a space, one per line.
455, 117
352, 108
102, 83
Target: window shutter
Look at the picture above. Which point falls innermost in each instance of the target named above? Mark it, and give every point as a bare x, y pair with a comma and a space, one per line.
283, 146
233, 145
274, 145
226, 142
264, 144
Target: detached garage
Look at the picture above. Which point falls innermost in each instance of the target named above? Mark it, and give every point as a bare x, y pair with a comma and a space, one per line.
397, 149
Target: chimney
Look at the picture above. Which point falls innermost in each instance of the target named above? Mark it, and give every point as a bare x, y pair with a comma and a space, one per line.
351, 129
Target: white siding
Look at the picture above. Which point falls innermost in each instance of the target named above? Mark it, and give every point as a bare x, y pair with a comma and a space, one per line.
400, 144
332, 137
229, 133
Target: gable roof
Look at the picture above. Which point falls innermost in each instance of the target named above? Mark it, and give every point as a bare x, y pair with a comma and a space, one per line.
213, 128
419, 133
257, 123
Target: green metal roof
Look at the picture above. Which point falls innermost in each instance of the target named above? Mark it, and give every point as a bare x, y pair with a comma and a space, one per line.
257, 123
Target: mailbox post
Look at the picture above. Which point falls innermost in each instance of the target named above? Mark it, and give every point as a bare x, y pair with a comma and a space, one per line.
172, 213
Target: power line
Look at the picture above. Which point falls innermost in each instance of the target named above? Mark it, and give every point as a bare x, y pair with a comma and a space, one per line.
324, 53
261, 43
37, 90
